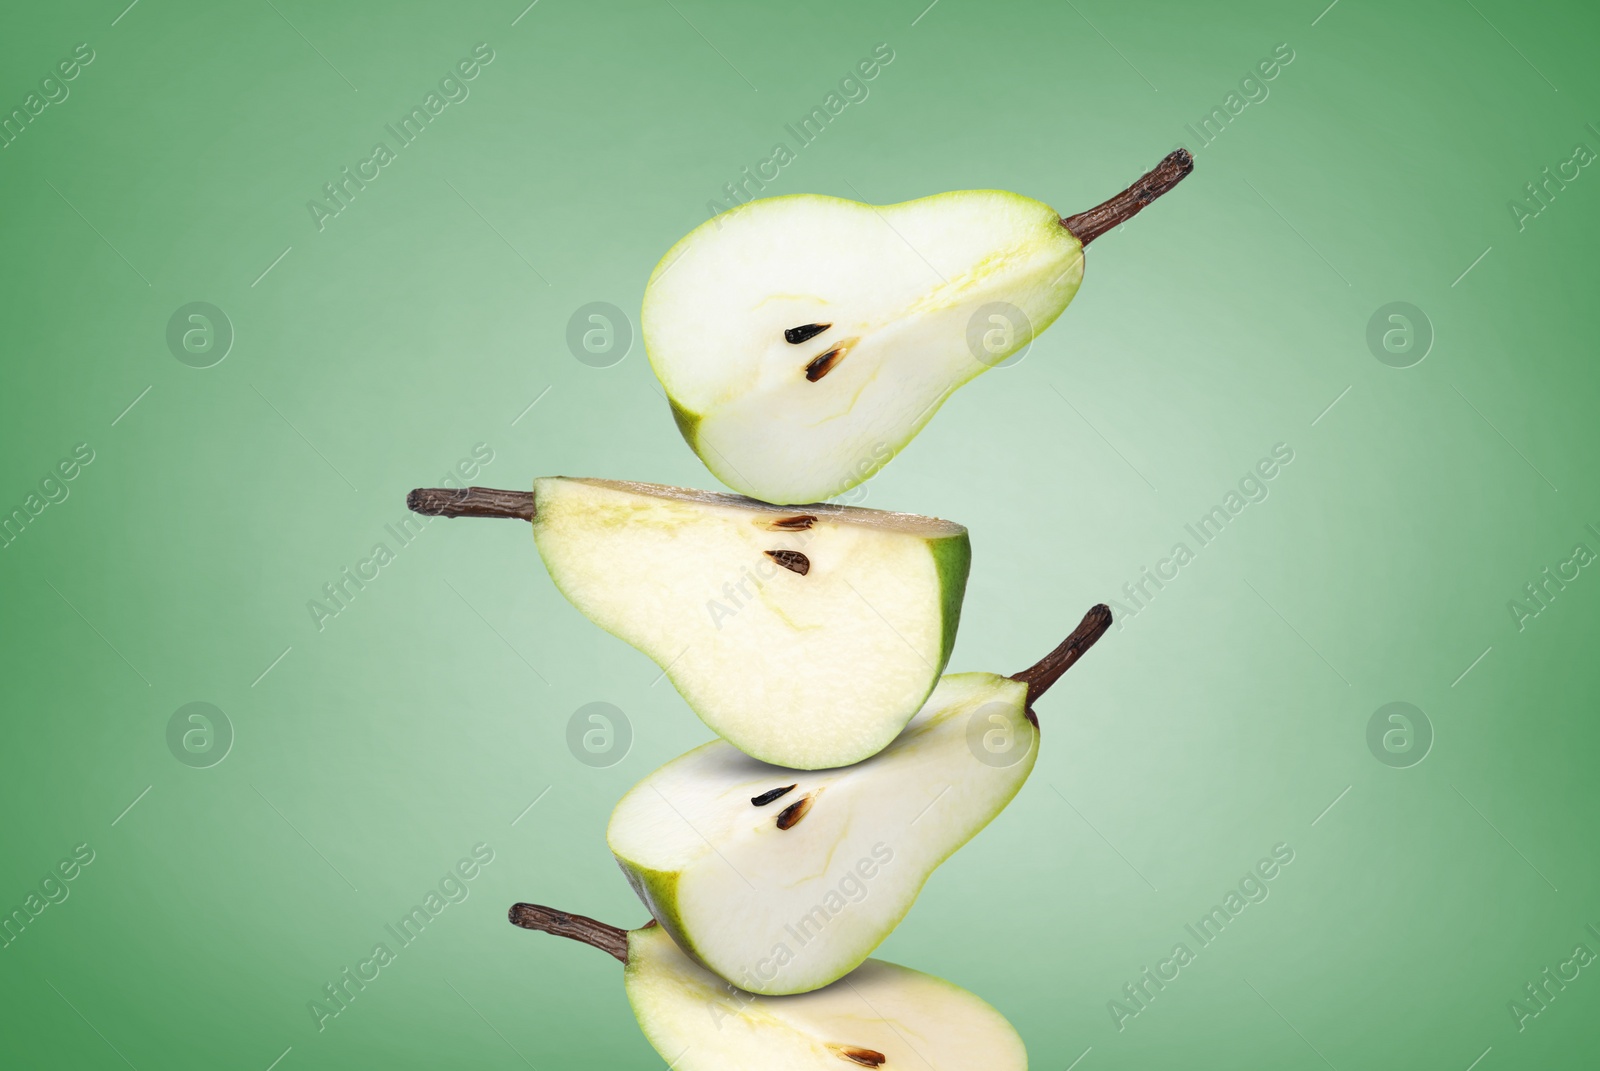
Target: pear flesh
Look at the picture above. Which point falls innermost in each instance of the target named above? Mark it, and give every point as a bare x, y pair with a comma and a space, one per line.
880, 1016
783, 881
806, 637
896, 292
804, 340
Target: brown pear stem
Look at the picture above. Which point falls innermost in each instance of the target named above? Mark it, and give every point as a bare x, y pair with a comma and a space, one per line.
1087, 226
608, 939
471, 502
1045, 672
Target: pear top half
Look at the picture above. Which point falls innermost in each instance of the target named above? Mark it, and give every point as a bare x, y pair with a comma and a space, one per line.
804, 340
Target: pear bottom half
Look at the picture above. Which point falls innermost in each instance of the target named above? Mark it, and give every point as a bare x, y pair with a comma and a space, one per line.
807, 637
782, 881
879, 1016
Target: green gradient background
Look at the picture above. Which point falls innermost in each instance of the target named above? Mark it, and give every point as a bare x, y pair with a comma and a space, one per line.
1218, 722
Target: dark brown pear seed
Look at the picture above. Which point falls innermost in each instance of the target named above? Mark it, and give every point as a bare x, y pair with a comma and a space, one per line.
790, 816
824, 364
770, 795
796, 335
798, 523
857, 1055
791, 560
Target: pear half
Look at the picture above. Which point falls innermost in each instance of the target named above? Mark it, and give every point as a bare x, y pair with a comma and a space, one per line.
804, 340
783, 881
880, 1016
806, 637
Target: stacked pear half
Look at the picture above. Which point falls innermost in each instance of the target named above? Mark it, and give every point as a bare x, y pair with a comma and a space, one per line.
804, 637
803, 341
801, 348
880, 1015
824, 864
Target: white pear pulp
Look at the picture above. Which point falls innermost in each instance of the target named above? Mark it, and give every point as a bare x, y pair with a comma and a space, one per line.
808, 671
910, 1019
779, 911
921, 295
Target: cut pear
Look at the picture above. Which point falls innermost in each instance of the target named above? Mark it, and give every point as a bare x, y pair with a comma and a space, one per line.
806, 637
783, 881
804, 340
880, 1016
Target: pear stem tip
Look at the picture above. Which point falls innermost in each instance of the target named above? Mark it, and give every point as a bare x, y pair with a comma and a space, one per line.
1045, 672
609, 939
471, 502
1087, 226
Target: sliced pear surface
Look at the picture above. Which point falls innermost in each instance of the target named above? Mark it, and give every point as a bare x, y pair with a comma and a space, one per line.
879, 1016
787, 896
882, 297
783, 881
804, 636
804, 340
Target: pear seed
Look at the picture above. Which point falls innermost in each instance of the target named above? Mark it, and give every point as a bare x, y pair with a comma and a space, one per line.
796, 335
857, 1055
770, 795
798, 523
791, 815
791, 560
824, 364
